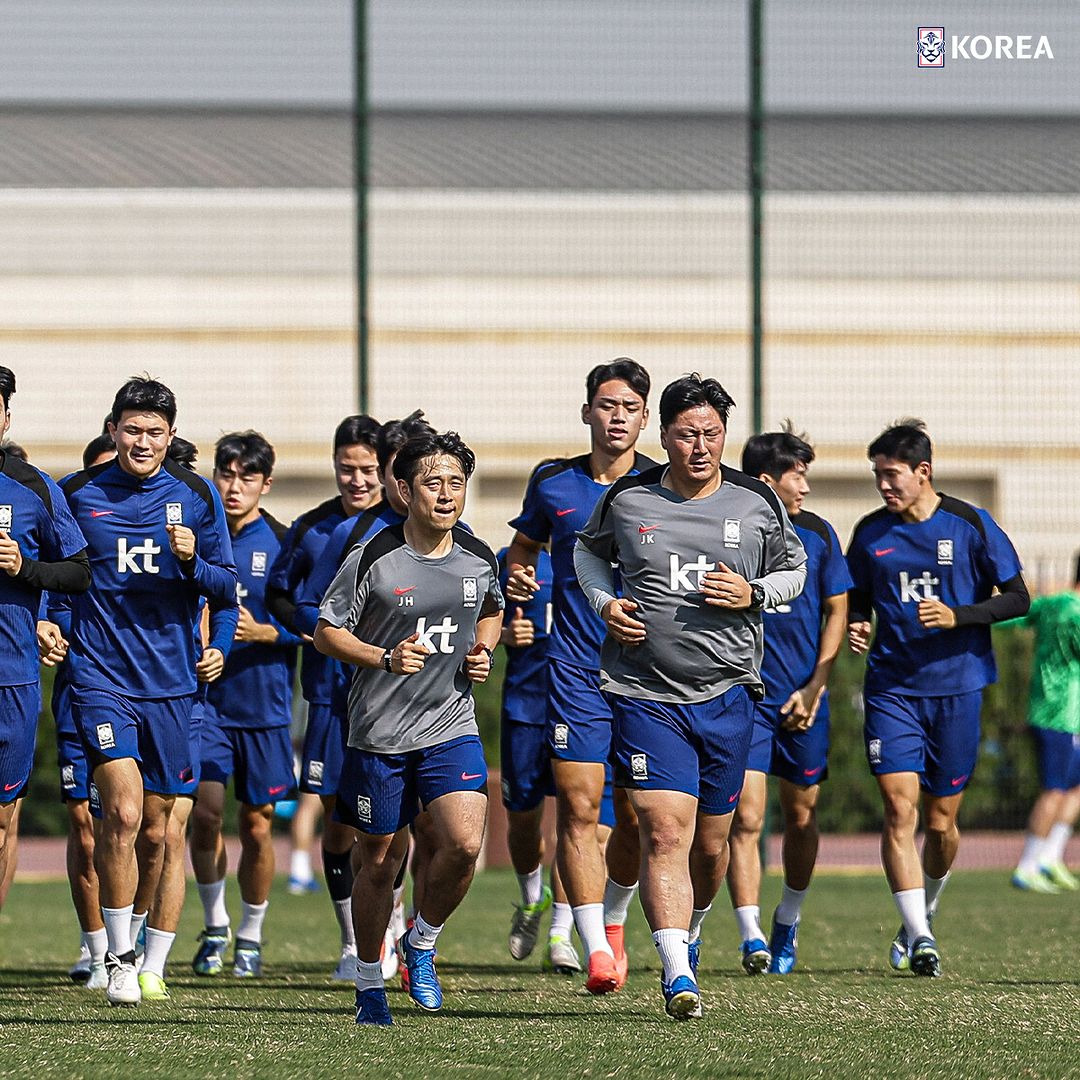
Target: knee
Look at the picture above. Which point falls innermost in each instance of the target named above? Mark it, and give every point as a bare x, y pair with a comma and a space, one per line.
748, 822
664, 837
578, 812
122, 819
800, 820
255, 827
901, 812
207, 820
154, 832
465, 850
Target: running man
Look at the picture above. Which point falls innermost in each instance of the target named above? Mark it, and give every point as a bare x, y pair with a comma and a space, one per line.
417, 610
701, 551
926, 565
791, 723
558, 502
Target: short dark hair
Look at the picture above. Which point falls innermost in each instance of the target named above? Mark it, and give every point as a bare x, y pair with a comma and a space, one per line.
98, 445
7, 385
359, 430
775, 453
622, 367
183, 453
906, 441
449, 443
250, 450
13, 449
692, 390
394, 434
143, 394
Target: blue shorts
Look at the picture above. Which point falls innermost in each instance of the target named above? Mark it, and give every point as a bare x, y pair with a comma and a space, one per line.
800, 757
936, 737
381, 793
156, 732
259, 760
324, 750
19, 708
70, 753
698, 749
579, 716
1058, 757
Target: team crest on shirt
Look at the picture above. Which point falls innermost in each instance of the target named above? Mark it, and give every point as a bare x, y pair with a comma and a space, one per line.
363, 809
315, 773
5, 517
944, 553
468, 592
105, 737
258, 564
639, 766
732, 532
873, 750
67, 777
561, 736
174, 513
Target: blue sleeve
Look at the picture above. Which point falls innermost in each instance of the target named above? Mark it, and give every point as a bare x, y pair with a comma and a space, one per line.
213, 570
318, 581
281, 571
58, 610
835, 576
860, 595
223, 620
64, 537
286, 638
1001, 561
533, 521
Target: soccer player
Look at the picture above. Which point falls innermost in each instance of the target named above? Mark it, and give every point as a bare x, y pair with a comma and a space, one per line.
41, 547
558, 501
926, 564
157, 541
791, 723
417, 610
1054, 722
245, 733
701, 551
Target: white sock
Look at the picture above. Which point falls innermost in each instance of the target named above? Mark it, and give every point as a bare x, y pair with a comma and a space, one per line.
343, 911
399, 895
790, 907
1031, 856
84, 949
589, 919
300, 865
911, 903
251, 920
97, 941
562, 921
934, 887
1054, 846
118, 928
423, 935
138, 921
532, 886
674, 953
749, 920
697, 917
369, 976
617, 899
213, 903
158, 944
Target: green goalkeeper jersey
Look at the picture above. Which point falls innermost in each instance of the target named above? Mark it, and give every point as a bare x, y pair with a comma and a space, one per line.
1054, 700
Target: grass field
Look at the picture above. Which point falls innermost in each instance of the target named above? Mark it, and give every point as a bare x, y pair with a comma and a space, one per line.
1008, 1005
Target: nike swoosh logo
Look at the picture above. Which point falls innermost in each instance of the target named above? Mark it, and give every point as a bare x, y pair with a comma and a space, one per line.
563, 513
12, 787
471, 776
812, 772
956, 781
402, 592
101, 513
735, 796
278, 790
647, 528
883, 551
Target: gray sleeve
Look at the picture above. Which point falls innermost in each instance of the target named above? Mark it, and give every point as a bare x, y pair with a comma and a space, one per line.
494, 601
785, 563
599, 533
344, 599
595, 576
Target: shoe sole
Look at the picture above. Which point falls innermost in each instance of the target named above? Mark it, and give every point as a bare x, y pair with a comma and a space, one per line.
79, 977
123, 1004
562, 969
756, 963
684, 1006
926, 967
602, 984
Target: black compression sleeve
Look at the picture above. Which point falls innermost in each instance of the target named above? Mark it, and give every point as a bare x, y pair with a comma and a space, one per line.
71, 575
859, 605
1010, 603
280, 604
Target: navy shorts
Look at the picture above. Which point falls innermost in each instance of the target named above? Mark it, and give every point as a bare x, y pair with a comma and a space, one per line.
526, 764
19, 708
156, 732
324, 751
70, 752
259, 760
699, 749
936, 737
1058, 757
800, 757
381, 793
579, 716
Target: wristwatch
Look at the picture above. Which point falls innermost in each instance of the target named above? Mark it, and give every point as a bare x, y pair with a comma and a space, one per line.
490, 654
757, 596
388, 660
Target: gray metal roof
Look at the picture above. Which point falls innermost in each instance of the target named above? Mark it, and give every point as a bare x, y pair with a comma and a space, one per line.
118, 148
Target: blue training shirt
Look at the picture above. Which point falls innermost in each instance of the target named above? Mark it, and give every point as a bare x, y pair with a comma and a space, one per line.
133, 632
957, 556
524, 695
34, 512
558, 503
255, 689
793, 630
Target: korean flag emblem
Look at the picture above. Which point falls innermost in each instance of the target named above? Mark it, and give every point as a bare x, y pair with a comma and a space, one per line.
258, 564
468, 592
174, 513
732, 532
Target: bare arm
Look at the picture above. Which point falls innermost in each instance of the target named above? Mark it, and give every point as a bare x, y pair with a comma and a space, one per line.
521, 558
801, 708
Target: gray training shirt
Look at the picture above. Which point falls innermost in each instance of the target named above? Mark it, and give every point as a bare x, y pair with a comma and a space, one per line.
384, 593
663, 545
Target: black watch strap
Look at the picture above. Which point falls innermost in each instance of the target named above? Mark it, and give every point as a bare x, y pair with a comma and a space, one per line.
388, 660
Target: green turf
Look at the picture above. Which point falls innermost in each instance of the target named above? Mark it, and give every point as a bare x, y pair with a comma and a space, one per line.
1007, 1005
